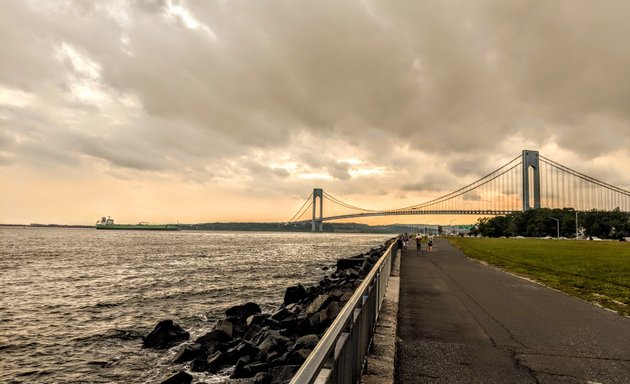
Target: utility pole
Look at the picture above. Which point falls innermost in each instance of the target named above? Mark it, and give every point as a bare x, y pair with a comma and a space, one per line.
576, 226
558, 226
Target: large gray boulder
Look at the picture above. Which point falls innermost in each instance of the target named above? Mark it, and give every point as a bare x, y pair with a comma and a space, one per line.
232, 326
179, 378
319, 303
273, 343
294, 294
283, 373
306, 341
243, 311
188, 352
165, 335
351, 262
213, 340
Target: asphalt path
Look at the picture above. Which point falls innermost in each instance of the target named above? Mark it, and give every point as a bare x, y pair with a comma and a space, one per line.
464, 322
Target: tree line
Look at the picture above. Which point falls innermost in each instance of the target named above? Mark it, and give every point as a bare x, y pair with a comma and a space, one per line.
542, 222
300, 227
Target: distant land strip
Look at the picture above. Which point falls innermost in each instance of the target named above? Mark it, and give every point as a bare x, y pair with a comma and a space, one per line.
267, 227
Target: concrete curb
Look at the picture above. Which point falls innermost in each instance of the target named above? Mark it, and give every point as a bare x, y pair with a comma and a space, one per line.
381, 360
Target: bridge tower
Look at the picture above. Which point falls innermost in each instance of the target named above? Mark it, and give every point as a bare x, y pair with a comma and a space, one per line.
318, 192
531, 180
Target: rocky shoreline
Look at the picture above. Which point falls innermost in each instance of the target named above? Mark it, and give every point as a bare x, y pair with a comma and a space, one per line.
266, 348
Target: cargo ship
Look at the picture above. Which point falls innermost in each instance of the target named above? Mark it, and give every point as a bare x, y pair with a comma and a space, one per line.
108, 223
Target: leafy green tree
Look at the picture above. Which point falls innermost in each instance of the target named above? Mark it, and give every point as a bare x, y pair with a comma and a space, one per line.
538, 223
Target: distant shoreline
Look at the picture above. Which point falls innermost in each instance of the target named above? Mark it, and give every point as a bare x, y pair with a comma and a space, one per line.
47, 225
265, 227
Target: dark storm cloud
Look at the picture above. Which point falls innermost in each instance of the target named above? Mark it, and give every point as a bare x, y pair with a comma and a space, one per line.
125, 156
471, 196
7, 141
263, 171
222, 80
431, 182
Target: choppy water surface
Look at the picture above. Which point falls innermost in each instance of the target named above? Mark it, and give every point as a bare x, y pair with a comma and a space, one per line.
74, 302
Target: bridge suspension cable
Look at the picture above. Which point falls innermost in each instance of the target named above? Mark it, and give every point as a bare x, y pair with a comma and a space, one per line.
511, 165
511, 187
585, 177
565, 187
303, 209
346, 205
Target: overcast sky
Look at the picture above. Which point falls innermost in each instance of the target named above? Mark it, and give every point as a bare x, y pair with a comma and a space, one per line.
226, 110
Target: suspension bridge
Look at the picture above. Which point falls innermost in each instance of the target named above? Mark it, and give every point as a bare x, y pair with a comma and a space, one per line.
528, 181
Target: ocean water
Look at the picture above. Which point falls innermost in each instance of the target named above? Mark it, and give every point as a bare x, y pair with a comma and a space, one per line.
75, 302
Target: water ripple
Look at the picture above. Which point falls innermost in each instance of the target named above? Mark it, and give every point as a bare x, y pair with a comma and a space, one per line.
77, 301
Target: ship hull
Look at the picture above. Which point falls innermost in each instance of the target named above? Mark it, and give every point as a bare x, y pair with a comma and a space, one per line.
130, 227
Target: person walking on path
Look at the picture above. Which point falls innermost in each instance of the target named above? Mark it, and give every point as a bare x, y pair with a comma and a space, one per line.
430, 244
419, 244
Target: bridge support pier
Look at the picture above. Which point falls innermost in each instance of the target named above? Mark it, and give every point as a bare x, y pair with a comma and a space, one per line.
531, 180
318, 192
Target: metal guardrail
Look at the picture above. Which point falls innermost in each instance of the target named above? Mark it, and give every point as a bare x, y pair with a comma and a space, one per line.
340, 354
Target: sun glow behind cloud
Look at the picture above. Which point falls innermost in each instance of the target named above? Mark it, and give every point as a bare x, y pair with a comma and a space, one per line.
315, 176
12, 97
175, 12
358, 172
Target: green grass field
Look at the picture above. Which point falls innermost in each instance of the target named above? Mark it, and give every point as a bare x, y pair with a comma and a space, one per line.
596, 271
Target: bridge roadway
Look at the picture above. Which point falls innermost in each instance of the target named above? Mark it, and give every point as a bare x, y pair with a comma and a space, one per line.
463, 322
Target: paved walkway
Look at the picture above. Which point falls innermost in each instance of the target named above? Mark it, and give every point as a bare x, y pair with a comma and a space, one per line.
464, 322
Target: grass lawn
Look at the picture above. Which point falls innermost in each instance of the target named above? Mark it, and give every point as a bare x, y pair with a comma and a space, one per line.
597, 271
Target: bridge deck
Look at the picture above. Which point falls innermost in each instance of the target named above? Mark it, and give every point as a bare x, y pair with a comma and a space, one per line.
463, 322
